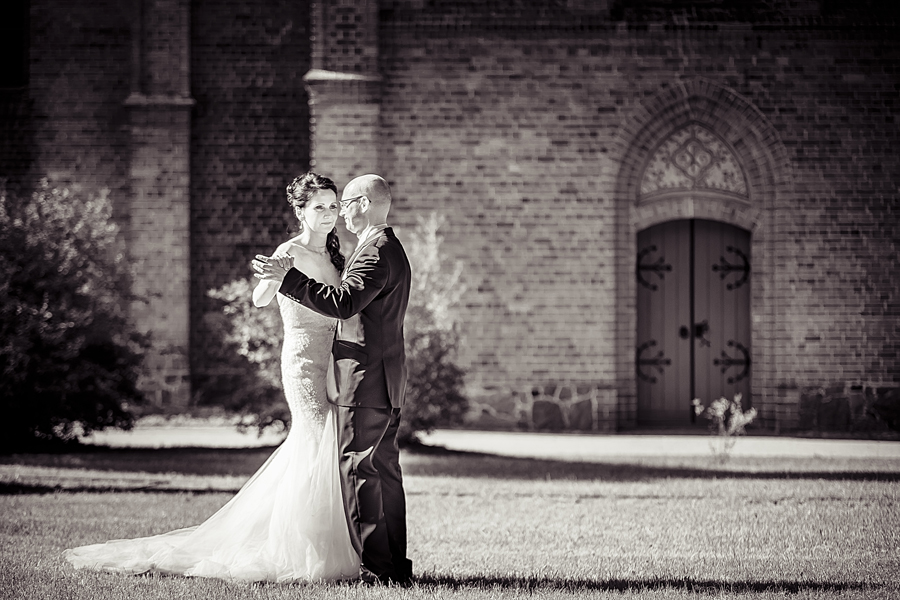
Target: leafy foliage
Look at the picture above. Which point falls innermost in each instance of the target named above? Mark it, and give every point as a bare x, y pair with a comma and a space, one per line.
434, 388
69, 356
244, 347
246, 374
886, 407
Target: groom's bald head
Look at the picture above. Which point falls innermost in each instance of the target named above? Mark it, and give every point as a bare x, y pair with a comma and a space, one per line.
378, 193
374, 187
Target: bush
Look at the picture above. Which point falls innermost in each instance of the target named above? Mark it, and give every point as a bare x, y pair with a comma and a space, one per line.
69, 356
245, 376
887, 407
244, 372
727, 420
434, 389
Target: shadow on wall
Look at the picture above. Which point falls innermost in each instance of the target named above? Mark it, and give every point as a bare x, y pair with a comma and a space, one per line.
850, 409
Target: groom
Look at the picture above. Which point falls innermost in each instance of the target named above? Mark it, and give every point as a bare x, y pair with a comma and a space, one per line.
370, 368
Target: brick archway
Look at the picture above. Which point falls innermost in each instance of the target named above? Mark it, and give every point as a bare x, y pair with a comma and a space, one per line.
765, 162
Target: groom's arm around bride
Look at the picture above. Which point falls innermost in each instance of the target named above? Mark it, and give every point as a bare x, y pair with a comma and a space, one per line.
370, 368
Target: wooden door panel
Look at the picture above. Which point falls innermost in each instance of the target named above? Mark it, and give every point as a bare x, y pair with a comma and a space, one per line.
663, 369
722, 289
676, 310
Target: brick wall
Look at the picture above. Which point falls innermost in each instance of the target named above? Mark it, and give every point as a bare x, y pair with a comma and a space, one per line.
159, 121
527, 124
345, 84
837, 108
518, 128
508, 145
70, 122
97, 112
249, 139
159, 245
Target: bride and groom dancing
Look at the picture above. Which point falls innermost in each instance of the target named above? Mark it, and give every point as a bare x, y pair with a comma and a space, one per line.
329, 503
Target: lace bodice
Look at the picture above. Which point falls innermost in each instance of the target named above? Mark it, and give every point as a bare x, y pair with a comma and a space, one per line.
308, 337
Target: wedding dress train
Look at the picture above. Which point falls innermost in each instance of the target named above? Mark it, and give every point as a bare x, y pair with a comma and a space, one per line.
287, 522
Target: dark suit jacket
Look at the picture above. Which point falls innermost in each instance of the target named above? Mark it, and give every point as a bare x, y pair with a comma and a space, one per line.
369, 353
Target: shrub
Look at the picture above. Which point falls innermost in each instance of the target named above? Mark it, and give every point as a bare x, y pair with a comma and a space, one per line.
434, 389
244, 352
246, 374
727, 420
886, 407
69, 356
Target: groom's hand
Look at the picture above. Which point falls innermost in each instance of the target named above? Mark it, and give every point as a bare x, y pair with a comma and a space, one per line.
271, 268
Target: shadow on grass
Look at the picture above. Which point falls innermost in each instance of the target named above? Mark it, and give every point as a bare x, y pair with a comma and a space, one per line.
440, 462
535, 584
184, 461
21, 489
201, 464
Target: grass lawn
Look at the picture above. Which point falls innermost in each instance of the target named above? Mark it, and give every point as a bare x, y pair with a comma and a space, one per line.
490, 527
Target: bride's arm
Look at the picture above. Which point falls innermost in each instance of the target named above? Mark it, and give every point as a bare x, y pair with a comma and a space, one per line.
264, 292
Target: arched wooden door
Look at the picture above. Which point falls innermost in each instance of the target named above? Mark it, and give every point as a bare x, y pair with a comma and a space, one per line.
693, 302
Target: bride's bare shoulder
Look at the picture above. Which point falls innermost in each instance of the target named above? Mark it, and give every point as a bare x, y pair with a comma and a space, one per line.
294, 242
291, 247
304, 258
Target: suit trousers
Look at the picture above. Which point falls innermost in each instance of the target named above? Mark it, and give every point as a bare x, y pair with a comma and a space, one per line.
373, 488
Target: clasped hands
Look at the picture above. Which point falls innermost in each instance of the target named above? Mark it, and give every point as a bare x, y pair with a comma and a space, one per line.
272, 268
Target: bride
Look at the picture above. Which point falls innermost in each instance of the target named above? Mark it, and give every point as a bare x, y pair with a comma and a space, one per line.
287, 522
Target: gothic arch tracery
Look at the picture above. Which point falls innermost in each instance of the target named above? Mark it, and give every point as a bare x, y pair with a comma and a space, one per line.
693, 158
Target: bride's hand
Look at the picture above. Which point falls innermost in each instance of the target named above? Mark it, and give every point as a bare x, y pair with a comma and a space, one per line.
272, 268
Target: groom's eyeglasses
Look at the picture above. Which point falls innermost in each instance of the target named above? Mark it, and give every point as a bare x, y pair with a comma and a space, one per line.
345, 204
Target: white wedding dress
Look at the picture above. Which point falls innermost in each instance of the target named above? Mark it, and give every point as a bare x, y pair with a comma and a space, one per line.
287, 522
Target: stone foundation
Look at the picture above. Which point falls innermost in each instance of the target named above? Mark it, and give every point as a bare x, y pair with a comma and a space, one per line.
848, 407
545, 407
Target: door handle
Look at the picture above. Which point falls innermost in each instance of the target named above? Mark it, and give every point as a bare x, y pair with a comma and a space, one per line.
700, 331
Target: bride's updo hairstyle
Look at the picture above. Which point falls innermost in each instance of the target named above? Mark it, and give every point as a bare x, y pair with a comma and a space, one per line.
299, 191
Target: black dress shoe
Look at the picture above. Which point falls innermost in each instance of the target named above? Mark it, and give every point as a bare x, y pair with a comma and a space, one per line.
369, 578
404, 580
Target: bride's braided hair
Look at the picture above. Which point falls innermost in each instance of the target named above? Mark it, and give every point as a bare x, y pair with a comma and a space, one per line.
299, 191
